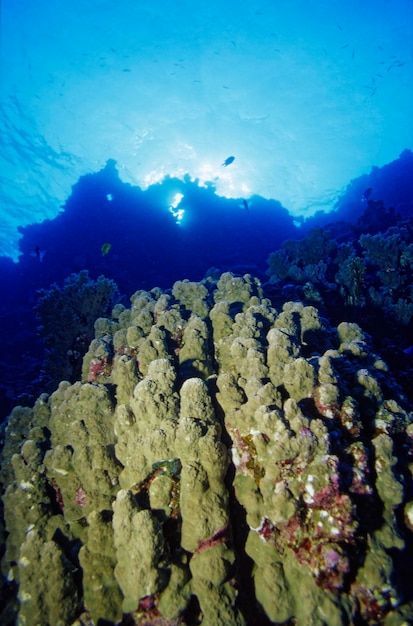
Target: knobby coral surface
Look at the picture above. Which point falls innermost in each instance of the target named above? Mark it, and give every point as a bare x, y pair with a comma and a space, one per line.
220, 462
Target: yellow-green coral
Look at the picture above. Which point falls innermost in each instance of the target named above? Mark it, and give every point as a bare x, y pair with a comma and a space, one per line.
223, 446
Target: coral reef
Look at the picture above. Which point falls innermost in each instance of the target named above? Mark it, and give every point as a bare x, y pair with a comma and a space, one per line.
374, 270
220, 462
67, 316
364, 276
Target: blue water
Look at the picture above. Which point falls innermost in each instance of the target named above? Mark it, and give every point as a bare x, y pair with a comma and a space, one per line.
306, 95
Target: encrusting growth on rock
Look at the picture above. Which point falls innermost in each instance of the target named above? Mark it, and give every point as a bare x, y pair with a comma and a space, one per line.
219, 460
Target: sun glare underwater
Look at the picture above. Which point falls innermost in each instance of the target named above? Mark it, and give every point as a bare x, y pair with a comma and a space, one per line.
305, 95
206, 321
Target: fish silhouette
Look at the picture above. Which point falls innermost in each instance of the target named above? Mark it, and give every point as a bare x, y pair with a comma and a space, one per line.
105, 248
38, 253
366, 194
228, 161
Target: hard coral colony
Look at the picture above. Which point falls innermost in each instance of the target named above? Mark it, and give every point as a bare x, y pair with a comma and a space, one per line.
209, 432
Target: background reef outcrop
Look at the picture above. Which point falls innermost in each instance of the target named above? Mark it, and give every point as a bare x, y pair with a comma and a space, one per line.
219, 462
363, 276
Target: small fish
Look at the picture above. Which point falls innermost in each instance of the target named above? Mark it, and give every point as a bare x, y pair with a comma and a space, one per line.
228, 161
366, 194
38, 253
105, 248
244, 205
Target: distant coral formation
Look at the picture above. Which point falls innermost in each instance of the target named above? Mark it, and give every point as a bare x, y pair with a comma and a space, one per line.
220, 462
367, 270
67, 316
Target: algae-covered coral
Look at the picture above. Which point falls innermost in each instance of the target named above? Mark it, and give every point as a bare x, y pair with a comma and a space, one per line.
220, 462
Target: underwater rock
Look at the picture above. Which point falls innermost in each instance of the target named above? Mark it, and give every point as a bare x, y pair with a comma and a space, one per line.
219, 462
